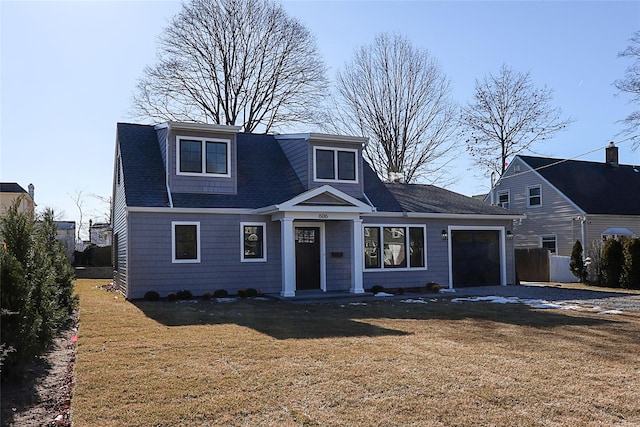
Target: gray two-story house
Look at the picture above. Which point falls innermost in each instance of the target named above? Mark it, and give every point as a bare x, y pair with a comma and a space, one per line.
206, 207
567, 200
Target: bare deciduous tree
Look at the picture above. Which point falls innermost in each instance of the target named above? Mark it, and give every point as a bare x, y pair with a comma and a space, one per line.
399, 97
630, 83
233, 62
507, 116
78, 200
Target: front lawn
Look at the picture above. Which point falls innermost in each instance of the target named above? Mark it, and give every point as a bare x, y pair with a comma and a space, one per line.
260, 363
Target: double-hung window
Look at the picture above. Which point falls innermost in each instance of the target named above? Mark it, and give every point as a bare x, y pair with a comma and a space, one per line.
503, 199
185, 239
203, 156
550, 243
333, 164
394, 247
254, 241
534, 196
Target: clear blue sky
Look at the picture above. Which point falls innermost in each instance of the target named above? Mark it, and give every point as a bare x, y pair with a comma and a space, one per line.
68, 70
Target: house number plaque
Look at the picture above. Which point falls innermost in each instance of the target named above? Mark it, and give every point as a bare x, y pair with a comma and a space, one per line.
323, 216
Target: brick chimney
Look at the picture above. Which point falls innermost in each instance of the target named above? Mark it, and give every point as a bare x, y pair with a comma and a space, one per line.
32, 192
611, 155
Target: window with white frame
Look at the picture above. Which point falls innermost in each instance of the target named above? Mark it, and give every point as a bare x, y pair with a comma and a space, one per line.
203, 156
254, 241
394, 247
503, 199
549, 242
185, 241
534, 196
333, 164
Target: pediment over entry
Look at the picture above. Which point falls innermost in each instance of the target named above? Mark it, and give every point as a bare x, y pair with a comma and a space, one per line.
324, 198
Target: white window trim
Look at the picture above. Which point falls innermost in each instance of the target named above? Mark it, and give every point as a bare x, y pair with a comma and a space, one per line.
264, 241
529, 205
335, 164
203, 142
548, 236
407, 243
508, 193
173, 242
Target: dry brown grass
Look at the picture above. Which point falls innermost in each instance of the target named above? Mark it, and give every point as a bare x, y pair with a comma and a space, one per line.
261, 363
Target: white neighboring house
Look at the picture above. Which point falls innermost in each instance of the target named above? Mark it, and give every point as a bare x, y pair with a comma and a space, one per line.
99, 233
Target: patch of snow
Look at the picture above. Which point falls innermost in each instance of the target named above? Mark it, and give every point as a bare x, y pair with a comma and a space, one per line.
383, 294
226, 299
357, 303
447, 291
611, 312
414, 301
533, 303
548, 305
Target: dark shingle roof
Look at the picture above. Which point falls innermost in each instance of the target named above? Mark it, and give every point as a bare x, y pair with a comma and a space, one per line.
432, 199
265, 178
378, 193
142, 166
11, 187
597, 188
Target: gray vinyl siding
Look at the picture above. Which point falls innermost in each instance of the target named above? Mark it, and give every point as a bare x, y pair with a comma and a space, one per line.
338, 250
202, 184
597, 224
437, 254
120, 228
220, 265
556, 216
297, 151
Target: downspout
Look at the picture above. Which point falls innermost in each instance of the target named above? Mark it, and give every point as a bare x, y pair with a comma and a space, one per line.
493, 177
166, 168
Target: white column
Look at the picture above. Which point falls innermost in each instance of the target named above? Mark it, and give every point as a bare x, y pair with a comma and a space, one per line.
288, 258
357, 257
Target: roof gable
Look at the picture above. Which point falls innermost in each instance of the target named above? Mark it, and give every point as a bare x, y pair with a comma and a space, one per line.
597, 188
327, 197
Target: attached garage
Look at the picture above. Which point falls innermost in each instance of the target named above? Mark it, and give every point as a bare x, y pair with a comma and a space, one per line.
477, 257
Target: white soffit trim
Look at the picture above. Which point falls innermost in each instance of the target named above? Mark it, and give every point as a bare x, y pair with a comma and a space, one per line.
429, 215
198, 127
232, 211
321, 137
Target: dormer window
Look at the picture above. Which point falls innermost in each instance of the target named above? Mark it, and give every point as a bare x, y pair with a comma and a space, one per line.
332, 164
203, 156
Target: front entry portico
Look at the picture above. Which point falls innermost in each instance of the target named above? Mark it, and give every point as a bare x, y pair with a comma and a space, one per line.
305, 216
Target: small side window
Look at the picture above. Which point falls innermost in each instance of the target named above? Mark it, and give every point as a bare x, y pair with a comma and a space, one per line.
549, 242
534, 196
185, 238
253, 241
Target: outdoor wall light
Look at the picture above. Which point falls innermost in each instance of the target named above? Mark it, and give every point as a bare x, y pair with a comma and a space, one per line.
509, 235
444, 235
